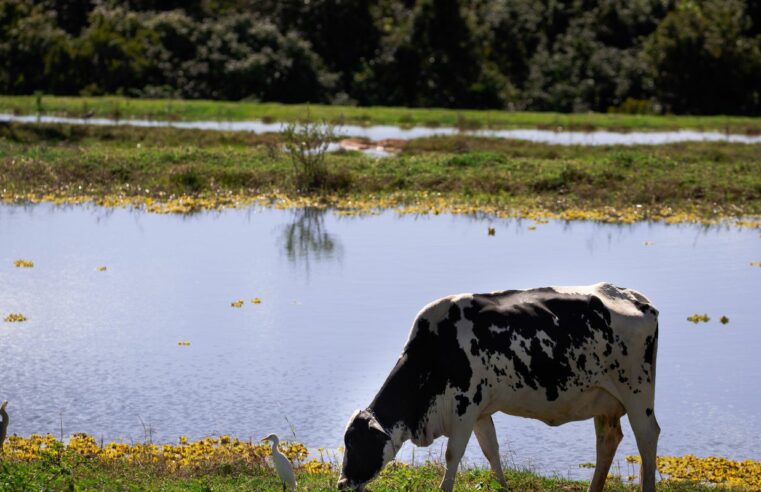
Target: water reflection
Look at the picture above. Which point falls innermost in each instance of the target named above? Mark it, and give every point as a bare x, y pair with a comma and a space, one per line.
383, 132
305, 238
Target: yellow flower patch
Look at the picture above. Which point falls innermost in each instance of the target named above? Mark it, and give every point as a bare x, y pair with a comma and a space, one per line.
742, 474
185, 456
367, 204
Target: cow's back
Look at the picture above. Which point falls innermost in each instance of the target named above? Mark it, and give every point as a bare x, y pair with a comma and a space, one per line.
548, 340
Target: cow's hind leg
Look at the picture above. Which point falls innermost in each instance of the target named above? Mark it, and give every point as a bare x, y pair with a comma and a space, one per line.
646, 430
609, 435
456, 445
487, 439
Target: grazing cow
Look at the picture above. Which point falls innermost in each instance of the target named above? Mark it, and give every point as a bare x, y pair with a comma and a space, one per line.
557, 354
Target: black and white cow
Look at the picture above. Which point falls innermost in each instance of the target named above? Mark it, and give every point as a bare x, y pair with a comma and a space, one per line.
556, 354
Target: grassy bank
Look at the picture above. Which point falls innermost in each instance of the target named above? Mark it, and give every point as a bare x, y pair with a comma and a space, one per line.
692, 181
168, 109
89, 476
224, 463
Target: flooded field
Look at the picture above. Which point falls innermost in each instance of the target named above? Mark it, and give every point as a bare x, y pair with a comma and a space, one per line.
383, 132
100, 351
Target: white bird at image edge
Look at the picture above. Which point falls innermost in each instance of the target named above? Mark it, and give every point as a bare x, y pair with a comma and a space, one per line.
282, 464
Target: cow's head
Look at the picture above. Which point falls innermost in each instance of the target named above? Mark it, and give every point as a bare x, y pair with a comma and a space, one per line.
368, 449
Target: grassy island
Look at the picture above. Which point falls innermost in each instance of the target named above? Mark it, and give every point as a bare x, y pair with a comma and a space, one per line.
174, 170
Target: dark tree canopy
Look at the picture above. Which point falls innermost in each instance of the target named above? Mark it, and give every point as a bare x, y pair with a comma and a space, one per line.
681, 56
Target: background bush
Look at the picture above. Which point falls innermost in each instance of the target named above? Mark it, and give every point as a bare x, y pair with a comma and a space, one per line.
681, 56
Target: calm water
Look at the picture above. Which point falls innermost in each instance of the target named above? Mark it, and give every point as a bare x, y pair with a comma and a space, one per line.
99, 353
381, 132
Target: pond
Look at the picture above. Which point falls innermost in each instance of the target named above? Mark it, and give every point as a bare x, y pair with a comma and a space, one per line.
99, 352
382, 132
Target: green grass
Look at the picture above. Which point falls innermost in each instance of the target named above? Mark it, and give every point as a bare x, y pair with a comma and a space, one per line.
710, 179
167, 109
85, 474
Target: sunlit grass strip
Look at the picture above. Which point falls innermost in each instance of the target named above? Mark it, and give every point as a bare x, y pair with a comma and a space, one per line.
172, 109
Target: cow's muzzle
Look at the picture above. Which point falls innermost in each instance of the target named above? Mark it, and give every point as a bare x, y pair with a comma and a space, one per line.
344, 484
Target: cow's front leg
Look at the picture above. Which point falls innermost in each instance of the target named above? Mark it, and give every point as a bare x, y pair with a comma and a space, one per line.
456, 445
487, 439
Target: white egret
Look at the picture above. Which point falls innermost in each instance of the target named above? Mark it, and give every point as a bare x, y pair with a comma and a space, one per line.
282, 464
3, 424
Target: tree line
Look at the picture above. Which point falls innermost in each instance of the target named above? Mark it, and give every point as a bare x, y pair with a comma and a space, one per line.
636, 56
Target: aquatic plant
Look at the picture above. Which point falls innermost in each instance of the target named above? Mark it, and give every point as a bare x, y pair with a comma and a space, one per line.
697, 318
404, 203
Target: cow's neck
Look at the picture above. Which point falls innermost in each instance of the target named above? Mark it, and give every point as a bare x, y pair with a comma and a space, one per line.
404, 408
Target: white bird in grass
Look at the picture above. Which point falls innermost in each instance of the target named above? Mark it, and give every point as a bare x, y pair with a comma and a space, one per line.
282, 464
3, 424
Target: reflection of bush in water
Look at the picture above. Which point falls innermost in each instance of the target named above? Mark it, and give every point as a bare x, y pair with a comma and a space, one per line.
305, 237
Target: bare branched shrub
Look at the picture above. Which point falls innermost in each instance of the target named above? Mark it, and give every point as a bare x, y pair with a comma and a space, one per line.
306, 143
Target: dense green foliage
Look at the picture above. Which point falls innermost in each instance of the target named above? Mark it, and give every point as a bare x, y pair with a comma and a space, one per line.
643, 56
